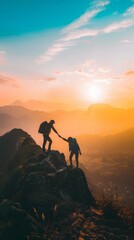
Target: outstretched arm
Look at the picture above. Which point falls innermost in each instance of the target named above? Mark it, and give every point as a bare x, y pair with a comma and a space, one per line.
54, 130
64, 139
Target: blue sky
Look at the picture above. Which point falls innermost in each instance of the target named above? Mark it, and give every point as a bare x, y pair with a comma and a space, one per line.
57, 45
30, 16
27, 16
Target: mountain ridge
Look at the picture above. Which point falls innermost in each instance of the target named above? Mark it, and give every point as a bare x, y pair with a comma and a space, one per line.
89, 121
38, 104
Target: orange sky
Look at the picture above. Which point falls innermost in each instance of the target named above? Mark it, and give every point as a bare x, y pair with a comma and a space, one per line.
117, 91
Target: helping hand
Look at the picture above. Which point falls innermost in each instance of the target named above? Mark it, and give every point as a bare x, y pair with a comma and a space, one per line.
59, 135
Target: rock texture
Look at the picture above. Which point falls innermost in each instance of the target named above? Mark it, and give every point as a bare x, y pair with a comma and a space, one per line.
10, 144
41, 197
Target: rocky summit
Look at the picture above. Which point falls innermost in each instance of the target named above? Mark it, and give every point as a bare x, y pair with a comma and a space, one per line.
42, 198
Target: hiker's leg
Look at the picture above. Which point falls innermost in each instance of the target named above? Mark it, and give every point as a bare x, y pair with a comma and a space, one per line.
70, 157
50, 143
76, 157
44, 142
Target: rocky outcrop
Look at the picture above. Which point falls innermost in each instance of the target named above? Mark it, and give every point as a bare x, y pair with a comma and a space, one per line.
42, 197
39, 181
10, 143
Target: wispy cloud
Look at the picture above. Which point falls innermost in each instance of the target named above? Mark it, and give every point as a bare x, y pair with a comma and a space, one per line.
98, 6
76, 30
130, 73
103, 80
118, 25
49, 79
129, 12
103, 70
82, 21
101, 3
81, 33
87, 70
8, 81
46, 78
94, 32
54, 50
78, 72
73, 31
127, 41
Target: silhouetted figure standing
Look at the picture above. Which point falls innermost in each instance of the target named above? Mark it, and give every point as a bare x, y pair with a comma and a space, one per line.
74, 149
45, 129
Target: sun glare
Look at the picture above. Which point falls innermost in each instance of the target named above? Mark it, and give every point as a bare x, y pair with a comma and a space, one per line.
93, 93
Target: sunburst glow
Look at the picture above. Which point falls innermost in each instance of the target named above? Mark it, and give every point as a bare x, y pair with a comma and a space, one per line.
93, 93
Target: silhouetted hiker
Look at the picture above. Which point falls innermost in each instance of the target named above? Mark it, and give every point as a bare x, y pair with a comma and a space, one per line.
74, 149
45, 129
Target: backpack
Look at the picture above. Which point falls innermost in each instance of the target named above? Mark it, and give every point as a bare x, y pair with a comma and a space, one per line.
73, 144
43, 127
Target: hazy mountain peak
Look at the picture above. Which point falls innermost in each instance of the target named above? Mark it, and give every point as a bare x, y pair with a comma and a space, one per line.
16, 103
45, 105
103, 106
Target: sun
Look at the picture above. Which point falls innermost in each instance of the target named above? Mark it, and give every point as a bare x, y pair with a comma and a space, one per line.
93, 93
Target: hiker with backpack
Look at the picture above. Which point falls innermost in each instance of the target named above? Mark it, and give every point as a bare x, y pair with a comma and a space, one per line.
74, 149
45, 129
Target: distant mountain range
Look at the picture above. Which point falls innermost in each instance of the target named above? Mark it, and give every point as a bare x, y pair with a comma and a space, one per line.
44, 105
122, 142
101, 119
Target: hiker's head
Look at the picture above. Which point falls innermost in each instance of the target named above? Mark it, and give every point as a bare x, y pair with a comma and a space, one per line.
52, 122
70, 138
74, 139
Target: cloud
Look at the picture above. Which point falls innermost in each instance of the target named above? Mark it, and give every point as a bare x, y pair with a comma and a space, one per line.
104, 80
73, 31
54, 50
51, 79
81, 33
88, 69
45, 78
118, 25
2, 57
82, 21
101, 3
84, 73
130, 73
129, 12
58, 47
98, 6
59, 73
94, 32
88, 65
103, 70
8, 81
127, 41
91, 66
79, 72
